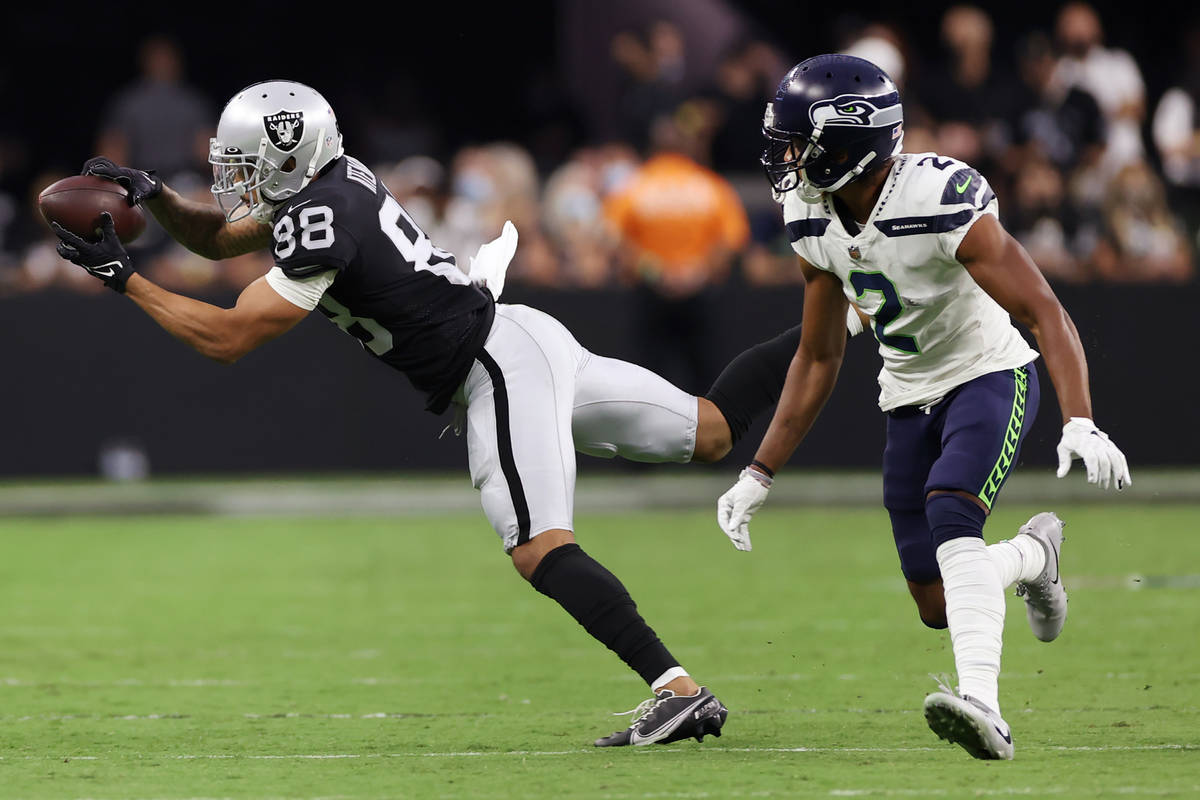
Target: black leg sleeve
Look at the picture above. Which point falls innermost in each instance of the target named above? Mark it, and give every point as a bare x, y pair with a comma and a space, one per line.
597, 600
752, 382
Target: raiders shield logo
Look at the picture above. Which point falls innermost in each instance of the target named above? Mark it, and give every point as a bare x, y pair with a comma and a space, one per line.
285, 129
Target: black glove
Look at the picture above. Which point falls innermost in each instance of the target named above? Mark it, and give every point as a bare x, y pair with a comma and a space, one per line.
138, 184
106, 259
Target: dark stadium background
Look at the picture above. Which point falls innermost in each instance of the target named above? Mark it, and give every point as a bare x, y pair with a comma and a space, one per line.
477, 65
482, 73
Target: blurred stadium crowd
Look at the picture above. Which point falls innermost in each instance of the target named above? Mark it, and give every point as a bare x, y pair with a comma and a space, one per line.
1098, 178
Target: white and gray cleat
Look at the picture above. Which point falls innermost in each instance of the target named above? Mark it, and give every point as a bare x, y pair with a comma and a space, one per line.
1045, 596
970, 724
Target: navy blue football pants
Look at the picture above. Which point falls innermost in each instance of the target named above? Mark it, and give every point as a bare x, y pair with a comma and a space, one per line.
968, 442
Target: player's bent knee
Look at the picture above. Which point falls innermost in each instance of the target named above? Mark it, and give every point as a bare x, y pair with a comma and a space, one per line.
527, 556
713, 437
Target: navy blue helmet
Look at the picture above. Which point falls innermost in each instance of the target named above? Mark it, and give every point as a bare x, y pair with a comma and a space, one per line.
833, 116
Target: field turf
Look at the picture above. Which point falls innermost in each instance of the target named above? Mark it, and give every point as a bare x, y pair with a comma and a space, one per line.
207, 657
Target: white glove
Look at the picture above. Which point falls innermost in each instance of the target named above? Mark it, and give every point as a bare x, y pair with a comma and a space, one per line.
491, 262
1105, 464
737, 506
854, 323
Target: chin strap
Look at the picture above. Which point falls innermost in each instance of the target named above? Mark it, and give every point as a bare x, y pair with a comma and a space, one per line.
812, 194
312, 164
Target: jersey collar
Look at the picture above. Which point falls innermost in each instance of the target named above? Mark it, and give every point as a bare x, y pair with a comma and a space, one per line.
851, 226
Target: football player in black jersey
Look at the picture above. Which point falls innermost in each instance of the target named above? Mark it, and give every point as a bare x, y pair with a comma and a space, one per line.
530, 393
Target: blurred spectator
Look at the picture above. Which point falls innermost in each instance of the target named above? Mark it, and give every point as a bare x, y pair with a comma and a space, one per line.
1043, 221
654, 68
1142, 242
968, 97
746, 77
488, 185
679, 224
573, 213
159, 122
1176, 131
1057, 121
880, 44
1109, 75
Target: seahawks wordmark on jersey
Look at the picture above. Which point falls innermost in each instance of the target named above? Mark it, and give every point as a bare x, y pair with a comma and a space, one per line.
404, 299
936, 328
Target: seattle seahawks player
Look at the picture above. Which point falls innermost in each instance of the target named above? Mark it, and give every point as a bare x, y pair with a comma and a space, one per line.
914, 241
531, 393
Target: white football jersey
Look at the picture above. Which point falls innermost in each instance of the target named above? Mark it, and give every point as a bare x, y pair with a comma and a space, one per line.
936, 328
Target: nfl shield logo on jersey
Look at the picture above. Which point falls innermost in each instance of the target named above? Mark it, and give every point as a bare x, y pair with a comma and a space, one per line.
285, 129
855, 253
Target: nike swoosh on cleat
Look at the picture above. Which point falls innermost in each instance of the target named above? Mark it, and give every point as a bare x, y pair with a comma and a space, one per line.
637, 738
1006, 736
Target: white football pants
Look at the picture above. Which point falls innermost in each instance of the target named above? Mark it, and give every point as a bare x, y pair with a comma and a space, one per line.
534, 396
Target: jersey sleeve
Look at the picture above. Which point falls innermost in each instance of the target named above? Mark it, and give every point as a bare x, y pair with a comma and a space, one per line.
966, 196
314, 233
305, 293
804, 227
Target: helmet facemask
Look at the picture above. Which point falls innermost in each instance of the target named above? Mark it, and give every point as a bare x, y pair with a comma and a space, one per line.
796, 161
238, 181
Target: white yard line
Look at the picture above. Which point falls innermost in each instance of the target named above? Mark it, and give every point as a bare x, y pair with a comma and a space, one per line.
383, 715
707, 750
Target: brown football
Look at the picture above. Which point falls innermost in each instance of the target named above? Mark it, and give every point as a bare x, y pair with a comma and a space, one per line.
77, 202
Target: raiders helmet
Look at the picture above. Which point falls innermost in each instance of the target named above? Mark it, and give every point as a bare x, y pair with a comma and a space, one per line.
272, 139
833, 116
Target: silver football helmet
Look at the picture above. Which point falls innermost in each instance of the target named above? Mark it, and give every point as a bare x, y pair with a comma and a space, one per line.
272, 139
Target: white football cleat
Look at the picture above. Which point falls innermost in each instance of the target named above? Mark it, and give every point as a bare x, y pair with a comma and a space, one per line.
1045, 596
970, 724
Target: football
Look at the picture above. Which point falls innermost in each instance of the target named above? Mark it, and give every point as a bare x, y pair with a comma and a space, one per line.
77, 202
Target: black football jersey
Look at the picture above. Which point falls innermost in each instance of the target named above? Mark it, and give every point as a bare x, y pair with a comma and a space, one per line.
404, 299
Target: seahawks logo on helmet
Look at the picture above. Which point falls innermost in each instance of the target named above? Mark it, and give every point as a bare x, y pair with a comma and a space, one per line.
285, 129
853, 110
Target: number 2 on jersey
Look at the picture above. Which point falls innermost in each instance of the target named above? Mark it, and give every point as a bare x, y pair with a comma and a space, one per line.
864, 282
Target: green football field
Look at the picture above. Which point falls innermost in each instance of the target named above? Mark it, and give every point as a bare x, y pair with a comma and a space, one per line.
210, 657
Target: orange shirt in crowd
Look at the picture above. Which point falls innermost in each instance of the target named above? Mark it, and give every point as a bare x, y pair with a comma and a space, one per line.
680, 213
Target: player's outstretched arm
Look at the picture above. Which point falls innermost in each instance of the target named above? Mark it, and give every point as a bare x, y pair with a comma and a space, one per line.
810, 380
222, 334
1003, 269
200, 227
203, 229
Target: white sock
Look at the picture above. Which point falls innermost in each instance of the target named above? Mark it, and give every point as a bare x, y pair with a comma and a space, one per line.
975, 611
667, 677
1021, 558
